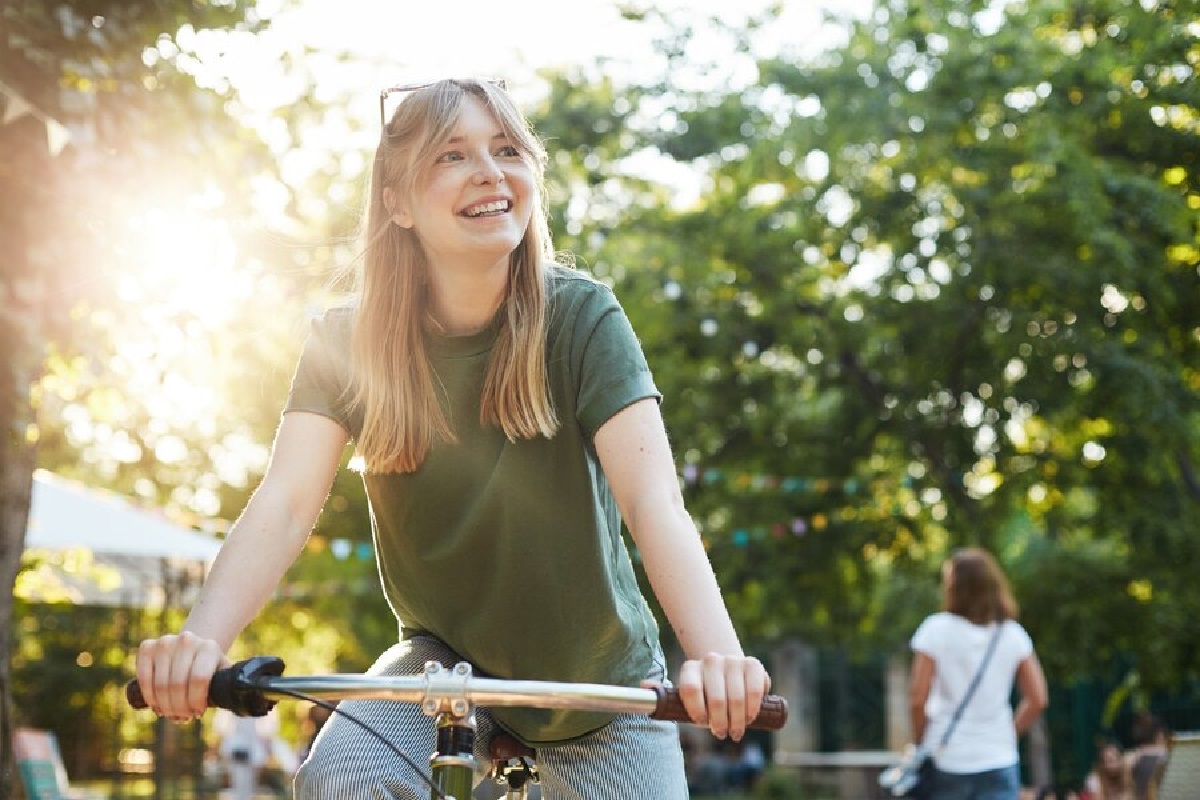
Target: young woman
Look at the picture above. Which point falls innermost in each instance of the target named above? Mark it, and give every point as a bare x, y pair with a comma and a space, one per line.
508, 422
980, 761
1110, 777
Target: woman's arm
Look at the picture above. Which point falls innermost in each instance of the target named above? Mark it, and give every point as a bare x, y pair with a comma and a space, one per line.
720, 686
174, 671
1035, 698
920, 681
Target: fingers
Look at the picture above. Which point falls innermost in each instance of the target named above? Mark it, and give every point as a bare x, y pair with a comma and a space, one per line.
691, 691
723, 693
173, 673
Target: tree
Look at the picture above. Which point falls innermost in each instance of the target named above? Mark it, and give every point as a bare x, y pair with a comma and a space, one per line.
940, 288
80, 67
1020, 246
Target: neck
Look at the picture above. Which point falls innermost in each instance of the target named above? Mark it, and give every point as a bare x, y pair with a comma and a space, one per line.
465, 301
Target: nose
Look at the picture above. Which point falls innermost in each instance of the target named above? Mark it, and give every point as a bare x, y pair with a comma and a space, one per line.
488, 171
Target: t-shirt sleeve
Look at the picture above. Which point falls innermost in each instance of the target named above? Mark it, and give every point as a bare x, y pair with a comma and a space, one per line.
613, 370
320, 381
1024, 644
927, 637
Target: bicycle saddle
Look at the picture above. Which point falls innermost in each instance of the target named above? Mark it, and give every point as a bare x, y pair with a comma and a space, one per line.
505, 747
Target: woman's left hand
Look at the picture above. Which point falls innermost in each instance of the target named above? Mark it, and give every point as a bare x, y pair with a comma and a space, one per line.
723, 693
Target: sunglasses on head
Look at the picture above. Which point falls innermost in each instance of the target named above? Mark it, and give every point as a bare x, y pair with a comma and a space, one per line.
408, 88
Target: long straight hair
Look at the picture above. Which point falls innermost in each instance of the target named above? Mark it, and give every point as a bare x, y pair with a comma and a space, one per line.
978, 589
393, 382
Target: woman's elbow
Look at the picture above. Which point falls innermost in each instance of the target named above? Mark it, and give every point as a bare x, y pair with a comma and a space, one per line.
1036, 700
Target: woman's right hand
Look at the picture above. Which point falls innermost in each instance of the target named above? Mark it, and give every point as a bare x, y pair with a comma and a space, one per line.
174, 671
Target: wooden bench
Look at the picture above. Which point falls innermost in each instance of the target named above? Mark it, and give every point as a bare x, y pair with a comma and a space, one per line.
848, 774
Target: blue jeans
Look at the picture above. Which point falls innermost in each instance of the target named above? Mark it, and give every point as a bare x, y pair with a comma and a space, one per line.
995, 784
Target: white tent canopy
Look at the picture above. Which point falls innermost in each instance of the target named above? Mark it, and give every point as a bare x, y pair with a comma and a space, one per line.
135, 552
64, 515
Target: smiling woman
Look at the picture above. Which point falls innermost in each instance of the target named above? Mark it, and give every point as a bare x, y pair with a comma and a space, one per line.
499, 398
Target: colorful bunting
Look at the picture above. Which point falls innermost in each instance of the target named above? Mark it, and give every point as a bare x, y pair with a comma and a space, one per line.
342, 549
16, 106
692, 475
797, 527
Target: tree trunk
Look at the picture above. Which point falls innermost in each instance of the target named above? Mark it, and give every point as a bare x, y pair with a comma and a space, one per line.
16, 479
22, 336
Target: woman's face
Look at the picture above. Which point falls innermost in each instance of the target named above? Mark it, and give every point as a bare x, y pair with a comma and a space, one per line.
476, 198
1110, 759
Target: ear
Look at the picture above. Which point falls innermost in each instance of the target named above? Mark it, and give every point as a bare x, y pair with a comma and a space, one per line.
398, 213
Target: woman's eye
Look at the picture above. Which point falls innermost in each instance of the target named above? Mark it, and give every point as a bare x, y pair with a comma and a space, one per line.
509, 151
448, 156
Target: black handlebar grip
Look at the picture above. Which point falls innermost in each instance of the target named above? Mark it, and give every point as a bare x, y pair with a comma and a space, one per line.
233, 688
772, 715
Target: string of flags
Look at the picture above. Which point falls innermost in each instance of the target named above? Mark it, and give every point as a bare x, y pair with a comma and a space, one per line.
693, 475
16, 106
796, 527
342, 549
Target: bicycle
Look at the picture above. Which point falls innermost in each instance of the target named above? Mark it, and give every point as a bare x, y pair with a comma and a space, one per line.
450, 695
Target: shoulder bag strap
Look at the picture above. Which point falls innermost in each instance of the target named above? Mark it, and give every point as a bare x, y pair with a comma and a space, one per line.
974, 684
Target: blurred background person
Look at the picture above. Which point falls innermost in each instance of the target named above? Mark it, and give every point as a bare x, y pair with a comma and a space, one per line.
1148, 758
1110, 777
981, 760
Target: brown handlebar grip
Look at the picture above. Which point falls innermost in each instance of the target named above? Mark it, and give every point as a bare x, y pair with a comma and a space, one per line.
133, 694
772, 715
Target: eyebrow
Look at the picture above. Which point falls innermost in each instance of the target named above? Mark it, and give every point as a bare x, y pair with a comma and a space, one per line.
501, 136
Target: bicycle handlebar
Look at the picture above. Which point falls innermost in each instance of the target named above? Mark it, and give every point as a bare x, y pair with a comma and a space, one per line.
243, 687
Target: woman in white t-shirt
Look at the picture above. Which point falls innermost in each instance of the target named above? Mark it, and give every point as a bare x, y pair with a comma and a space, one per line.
980, 761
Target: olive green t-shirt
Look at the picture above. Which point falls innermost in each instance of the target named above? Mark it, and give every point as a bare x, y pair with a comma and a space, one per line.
511, 552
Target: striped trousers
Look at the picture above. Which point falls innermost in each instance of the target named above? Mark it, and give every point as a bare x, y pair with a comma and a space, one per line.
631, 757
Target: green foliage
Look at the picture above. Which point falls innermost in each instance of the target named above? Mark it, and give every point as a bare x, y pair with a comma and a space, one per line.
143, 388
941, 289
67, 661
938, 287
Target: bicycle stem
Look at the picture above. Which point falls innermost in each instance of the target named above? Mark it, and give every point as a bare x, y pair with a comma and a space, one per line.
453, 761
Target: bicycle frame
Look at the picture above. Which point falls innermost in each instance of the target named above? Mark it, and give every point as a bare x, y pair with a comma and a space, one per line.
450, 695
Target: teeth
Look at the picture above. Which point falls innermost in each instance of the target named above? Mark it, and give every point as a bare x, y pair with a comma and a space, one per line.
487, 208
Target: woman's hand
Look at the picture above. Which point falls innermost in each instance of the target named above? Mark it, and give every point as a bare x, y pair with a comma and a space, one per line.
723, 693
173, 673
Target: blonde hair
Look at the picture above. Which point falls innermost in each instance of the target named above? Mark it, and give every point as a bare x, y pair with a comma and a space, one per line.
392, 379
